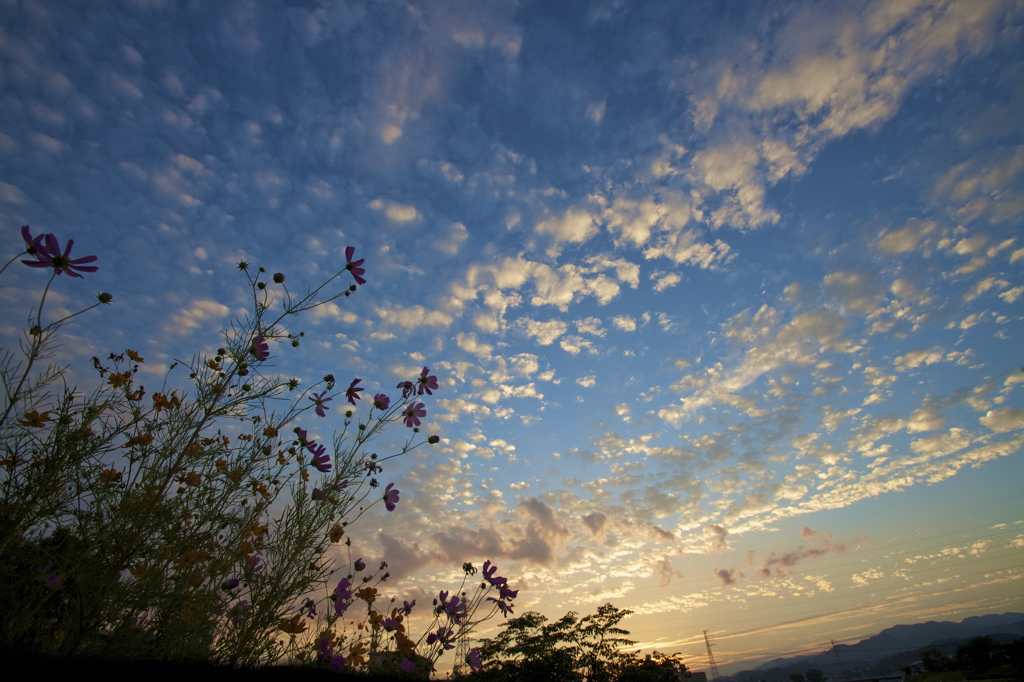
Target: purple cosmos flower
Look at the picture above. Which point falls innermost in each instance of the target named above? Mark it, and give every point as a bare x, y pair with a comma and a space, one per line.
322, 462
473, 659
326, 650
260, 348
320, 401
426, 383
338, 663
390, 624
48, 255
390, 497
352, 393
341, 595
33, 245
412, 413
505, 608
407, 607
354, 266
308, 608
240, 612
319, 494
489, 571
381, 401
372, 467
359, 565
408, 389
406, 665
507, 593
52, 579
230, 584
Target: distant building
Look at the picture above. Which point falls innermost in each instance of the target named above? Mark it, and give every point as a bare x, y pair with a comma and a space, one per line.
700, 676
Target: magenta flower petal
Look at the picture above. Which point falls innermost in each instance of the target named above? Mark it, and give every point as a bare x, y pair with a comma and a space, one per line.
354, 266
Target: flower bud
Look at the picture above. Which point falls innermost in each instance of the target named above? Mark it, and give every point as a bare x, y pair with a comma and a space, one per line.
278, 277
434, 440
104, 297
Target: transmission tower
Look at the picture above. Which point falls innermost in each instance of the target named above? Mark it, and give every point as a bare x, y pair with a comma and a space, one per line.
461, 651
711, 658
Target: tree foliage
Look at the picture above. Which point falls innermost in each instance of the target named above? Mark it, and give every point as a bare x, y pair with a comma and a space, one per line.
572, 649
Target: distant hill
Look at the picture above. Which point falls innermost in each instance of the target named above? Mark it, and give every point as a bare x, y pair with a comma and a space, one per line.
890, 650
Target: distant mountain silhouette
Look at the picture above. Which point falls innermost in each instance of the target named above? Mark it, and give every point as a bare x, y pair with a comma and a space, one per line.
889, 650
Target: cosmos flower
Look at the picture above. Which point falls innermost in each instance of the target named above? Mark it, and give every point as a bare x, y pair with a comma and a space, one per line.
48, 255
352, 393
321, 401
260, 348
412, 414
355, 267
390, 497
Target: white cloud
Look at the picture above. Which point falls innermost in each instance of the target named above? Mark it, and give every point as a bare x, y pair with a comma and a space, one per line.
1004, 419
544, 332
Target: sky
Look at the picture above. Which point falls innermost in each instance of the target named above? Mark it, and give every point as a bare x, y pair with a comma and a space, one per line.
724, 298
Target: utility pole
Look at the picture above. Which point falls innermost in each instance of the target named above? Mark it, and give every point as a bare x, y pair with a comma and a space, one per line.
711, 658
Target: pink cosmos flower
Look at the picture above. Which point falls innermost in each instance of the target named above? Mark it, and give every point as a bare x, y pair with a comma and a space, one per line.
260, 348
412, 414
354, 266
48, 255
390, 497
381, 401
353, 393
321, 401
426, 383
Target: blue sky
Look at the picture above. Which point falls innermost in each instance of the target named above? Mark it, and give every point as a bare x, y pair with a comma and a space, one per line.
724, 298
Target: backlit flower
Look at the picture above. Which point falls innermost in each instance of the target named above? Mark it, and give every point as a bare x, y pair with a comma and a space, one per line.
260, 348
407, 665
48, 255
355, 267
381, 401
352, 393
473, 659
322, 462
341, 595
320, 401
425, 383
390, 497
408, 389
412, 413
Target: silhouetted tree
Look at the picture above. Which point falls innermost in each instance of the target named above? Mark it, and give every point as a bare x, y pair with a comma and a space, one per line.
936, 661
979, 655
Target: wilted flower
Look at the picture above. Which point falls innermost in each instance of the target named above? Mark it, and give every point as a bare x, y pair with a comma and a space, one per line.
320, 401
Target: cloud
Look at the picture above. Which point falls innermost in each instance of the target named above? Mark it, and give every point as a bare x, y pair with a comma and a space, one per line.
1003, 419
728, 575
544, 332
